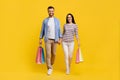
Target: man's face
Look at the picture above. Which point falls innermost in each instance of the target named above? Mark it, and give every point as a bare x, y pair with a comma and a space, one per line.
51, 12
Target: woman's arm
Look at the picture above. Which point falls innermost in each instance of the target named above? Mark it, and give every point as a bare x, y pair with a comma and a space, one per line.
78, 42
77, 36
60, 40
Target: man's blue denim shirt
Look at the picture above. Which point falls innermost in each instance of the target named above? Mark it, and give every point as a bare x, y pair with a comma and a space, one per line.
44, 29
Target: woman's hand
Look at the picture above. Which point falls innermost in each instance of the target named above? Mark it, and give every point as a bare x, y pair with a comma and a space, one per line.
78, 42
59, 41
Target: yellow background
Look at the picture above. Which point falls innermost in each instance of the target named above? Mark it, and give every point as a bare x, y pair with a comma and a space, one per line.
20, 24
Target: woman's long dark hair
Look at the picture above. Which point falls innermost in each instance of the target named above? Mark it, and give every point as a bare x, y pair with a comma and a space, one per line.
73, 21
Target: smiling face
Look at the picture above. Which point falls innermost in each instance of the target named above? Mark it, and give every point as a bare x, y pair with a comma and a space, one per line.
51, 12
69, 18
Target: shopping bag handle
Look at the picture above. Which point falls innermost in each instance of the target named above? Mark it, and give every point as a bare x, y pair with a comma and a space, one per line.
40, 45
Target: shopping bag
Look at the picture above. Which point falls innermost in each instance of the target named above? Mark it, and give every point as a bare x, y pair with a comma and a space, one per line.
40, 59
79, 57
43, 57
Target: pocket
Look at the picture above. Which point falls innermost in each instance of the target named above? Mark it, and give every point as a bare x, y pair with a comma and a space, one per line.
48, 41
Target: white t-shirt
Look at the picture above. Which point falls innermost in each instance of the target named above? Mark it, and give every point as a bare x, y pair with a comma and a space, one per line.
51, 28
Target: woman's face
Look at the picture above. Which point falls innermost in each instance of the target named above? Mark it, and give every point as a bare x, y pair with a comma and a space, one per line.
69, 17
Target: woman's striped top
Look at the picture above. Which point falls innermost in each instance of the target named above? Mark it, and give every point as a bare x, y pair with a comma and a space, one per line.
69, 31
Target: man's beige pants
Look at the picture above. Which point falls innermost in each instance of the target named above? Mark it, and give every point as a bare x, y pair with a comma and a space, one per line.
50, 47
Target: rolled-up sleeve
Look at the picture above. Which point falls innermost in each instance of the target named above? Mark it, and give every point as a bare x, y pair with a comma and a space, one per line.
42, 30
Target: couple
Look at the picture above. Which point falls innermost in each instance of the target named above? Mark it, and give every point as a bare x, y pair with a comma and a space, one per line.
51, 32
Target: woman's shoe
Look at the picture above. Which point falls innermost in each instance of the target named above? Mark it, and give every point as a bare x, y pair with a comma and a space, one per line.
68, 72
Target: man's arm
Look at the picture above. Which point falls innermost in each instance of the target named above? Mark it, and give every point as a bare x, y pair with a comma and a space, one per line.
42, 32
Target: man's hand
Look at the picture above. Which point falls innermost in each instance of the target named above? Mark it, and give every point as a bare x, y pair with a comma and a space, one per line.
40, 41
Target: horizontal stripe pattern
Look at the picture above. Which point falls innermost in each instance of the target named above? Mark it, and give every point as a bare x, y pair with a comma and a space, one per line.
69, 31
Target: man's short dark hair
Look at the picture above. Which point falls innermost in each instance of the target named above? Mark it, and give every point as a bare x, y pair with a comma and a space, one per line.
50, 7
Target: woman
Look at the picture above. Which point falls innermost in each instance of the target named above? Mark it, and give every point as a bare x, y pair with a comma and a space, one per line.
70, 29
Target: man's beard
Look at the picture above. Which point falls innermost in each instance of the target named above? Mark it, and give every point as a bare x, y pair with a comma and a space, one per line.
51, 14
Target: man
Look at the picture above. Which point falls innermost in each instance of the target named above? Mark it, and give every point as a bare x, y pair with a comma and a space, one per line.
51, 32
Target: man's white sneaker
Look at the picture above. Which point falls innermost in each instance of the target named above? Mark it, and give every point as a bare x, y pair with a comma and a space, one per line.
50, 71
